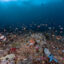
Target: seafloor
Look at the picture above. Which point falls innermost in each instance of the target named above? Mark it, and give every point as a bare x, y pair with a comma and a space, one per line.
29, 48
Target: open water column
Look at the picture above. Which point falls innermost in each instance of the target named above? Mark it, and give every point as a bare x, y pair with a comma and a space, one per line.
27, 11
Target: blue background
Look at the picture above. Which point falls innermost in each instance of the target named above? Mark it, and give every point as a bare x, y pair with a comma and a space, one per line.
28, 11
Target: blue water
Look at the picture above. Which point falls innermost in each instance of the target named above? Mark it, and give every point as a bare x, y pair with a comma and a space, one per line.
31, 11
